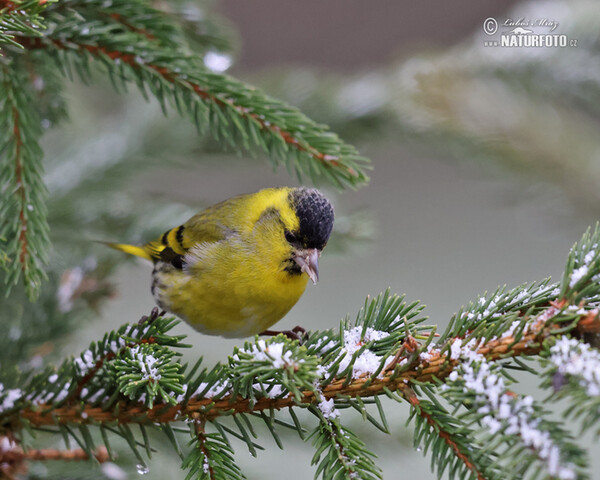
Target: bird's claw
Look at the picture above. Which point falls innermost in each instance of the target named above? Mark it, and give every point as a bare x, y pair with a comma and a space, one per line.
296, 333
154, 314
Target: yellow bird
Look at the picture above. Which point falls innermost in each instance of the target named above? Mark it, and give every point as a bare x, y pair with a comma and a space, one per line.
239, 266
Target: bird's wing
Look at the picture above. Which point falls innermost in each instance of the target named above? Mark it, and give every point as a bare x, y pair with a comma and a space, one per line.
212, 225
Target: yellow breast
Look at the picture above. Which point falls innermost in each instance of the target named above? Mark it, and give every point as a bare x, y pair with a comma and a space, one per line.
237, 287
236, 299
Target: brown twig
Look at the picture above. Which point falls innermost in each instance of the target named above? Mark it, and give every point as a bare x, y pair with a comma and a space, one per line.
17, 455
13, 460
199, 424
332, 430
100, 454
436, 367
20, 190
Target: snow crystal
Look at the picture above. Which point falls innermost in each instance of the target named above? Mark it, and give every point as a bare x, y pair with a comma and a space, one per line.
493, 425
146, 363
271, 390
430, 353
6, 443
513, 328
578, 310
10, 397
353, 340
85, 362
328, 409
272, 352
367, 362
115, 347
218, 388
217, 62
521, 296
578, 360
501, 410
63, 393
455, 349
578, 274
142, 469
275, 391
145, 330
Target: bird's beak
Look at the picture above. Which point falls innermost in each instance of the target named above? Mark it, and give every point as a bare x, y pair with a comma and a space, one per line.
308, 260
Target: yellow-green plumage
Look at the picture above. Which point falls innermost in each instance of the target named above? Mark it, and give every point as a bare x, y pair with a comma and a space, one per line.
229, 270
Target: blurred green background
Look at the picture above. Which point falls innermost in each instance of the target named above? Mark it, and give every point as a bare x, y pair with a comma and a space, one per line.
486, 170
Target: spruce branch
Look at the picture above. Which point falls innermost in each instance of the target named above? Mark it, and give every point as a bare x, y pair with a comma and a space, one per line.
24, 225
572, 370
13, 459
524, 440
277, 129
436, 426
20, 17
340, 453
365, 386
17, 455
131, 378
239, 115
211, 457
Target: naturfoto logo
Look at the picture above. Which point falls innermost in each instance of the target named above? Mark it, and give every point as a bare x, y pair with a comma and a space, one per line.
523, 32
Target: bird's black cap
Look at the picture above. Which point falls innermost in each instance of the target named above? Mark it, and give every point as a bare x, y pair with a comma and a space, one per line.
316, 217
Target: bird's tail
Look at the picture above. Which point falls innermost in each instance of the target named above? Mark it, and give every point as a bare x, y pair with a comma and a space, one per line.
130, 249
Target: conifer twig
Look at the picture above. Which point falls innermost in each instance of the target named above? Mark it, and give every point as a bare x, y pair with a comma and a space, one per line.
24, 224
100, 454
132, 60
409, 394
438, 367
13, 458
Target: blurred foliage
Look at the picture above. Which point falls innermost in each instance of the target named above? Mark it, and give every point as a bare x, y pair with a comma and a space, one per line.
535, 111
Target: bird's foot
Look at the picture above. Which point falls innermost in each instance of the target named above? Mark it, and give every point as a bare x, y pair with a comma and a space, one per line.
154, 314
296, 333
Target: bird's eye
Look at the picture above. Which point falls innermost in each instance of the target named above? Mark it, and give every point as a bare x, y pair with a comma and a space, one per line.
290, 237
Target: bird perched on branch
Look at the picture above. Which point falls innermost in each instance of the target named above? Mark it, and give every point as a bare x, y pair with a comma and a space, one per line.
239, 266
